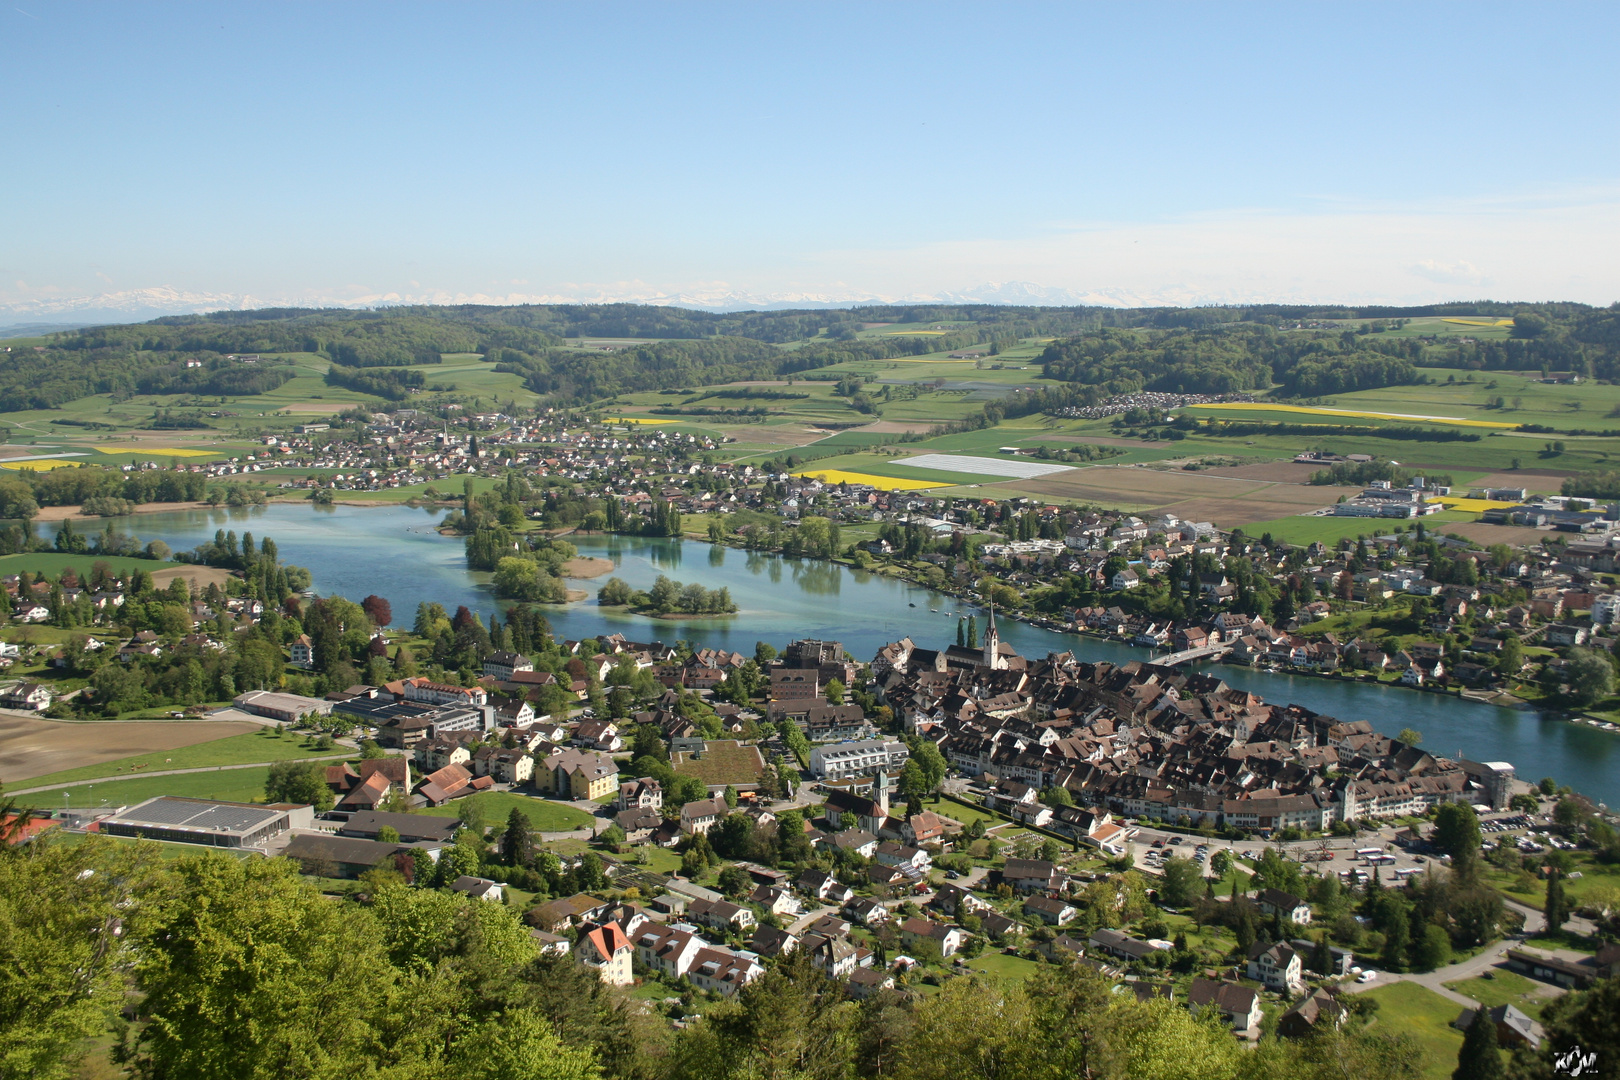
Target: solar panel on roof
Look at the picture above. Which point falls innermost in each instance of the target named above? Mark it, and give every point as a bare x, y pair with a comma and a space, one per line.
198, 815
166, 812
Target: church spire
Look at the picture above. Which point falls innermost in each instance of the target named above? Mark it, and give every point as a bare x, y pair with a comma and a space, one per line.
992, 644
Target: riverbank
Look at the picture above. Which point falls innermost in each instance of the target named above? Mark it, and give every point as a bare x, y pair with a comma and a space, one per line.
394, 551
63, 513
666, 616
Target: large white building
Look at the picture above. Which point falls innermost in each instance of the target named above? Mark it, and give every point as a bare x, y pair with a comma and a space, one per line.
836, 760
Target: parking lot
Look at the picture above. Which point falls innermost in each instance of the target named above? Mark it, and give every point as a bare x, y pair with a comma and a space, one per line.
1150, 846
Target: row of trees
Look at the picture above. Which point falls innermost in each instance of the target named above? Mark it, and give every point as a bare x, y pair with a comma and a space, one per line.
667, 597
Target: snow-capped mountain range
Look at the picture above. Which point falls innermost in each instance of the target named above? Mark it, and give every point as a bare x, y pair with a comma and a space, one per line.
136, 305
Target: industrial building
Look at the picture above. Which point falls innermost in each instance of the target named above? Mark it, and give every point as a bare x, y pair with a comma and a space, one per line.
204, 821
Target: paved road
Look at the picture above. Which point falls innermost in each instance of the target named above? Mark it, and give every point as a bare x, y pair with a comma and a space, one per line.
1474, 966
169, 772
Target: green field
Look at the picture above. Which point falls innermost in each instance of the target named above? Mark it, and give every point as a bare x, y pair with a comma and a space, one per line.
245, 749
1004, 966
1409, 1009
1584, 405
53, 563
229, 785
543, 814
1506, 988
1302, 530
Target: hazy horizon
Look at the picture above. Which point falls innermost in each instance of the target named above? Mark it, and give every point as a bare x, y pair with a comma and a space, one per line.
194, 157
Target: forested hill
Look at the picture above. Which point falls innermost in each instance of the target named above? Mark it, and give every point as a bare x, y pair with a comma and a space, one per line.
1264, 349
1102, 350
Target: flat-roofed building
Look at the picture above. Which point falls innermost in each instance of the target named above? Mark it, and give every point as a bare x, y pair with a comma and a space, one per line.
204, 821
836, 760
284, 707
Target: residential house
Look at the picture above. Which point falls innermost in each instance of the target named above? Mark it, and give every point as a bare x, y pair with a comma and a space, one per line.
1277, 966
1119, 945
1032, 875
821, 885
1054, 912
606, 950
1310, 1012
864, 982
1290, 907
1513, 1028
721, 915
723, 971
666, 949
557, 916
1238, 1005
582, 774
642, 793
701, 815
914, 930
479, 888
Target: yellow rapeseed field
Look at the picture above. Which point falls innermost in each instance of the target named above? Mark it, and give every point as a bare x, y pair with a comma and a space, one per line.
1480, 322
155, 451
1472, 506
884, 483
1266, 406
39, 466
637, 420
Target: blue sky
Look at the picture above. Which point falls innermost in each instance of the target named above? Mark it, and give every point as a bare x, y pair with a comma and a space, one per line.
1187, 151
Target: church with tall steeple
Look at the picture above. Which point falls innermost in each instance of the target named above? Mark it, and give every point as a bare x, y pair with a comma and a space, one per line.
992, 645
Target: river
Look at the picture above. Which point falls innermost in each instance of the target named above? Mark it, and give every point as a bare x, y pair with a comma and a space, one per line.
396, 552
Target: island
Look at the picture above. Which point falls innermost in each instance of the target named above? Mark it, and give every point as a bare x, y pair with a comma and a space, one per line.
668, 599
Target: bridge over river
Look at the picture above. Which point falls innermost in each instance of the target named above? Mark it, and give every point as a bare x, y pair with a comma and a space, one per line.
1187, 656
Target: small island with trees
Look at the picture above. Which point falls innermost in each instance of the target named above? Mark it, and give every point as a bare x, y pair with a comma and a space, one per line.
667, 599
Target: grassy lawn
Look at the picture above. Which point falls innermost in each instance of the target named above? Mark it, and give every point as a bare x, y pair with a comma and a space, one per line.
232, 750
53, 563
965, 813
230, 785
1003, 966
1506, 988
659, 860
543, 814
1410, 1009
1594, 875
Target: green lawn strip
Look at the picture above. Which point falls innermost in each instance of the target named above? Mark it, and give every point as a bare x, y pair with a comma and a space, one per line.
1505, 988
1301, 531
53, 563
1410, 1009
543, 814
1004, 966
231, 750
228, 785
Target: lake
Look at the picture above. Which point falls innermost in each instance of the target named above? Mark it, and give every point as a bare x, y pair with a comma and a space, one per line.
396, 552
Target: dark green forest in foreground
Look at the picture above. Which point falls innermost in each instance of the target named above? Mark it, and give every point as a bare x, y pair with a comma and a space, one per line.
207, 967
1100, 351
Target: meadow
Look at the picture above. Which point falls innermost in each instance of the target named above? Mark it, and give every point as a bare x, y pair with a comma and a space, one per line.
229, 785
1405, 1008
254, 747
494, 807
